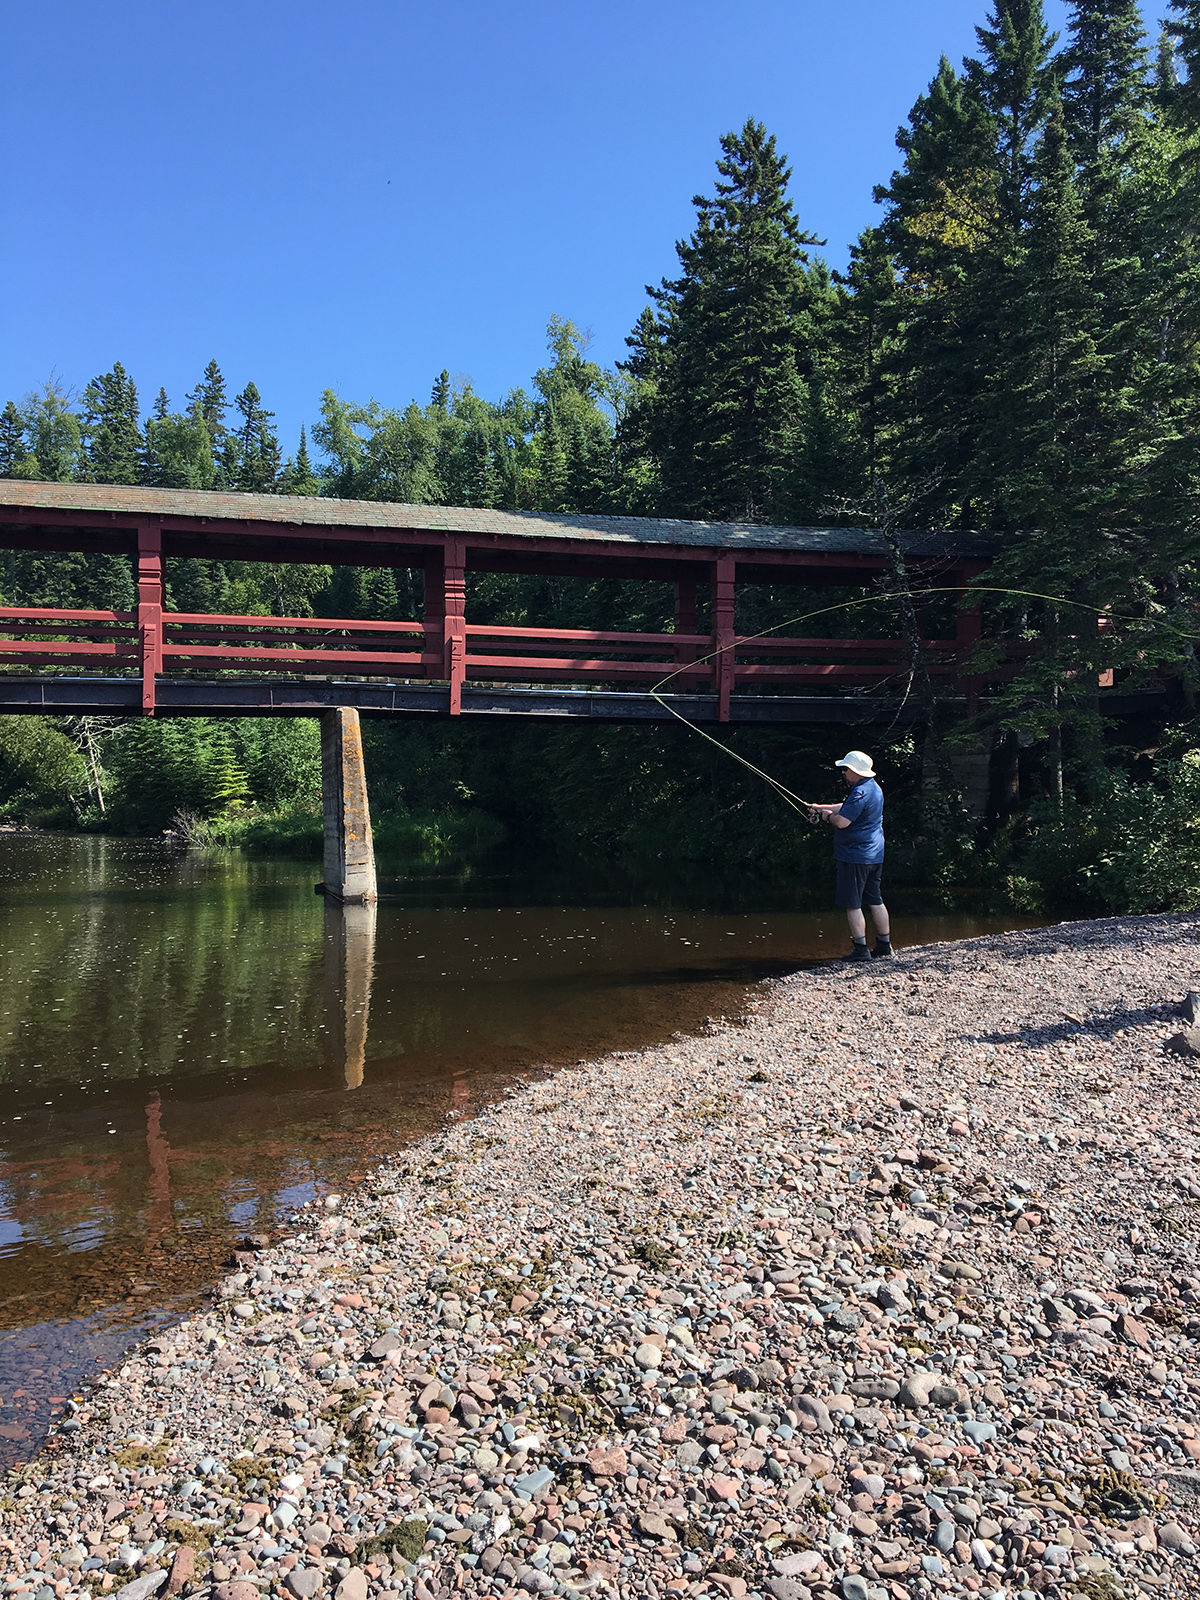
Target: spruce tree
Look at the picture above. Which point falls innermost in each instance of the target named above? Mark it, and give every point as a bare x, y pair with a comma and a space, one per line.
737, 340
209, 394
440, 398
14, 449
551, 465
111, 428
298, 477
1105, 92
258, 457
1014, 82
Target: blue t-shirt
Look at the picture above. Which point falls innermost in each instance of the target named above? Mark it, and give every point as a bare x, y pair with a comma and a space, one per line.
862, 841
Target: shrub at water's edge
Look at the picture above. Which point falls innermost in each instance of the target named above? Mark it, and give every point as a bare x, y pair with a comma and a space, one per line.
427, 838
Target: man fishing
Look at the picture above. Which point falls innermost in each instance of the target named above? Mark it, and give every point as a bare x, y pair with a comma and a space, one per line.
858, 852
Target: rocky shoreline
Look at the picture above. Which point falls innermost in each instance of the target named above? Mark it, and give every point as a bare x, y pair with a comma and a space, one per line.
889, 1290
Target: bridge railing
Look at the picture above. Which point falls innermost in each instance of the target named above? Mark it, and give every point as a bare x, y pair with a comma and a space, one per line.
452, 651
296, 644
49, 636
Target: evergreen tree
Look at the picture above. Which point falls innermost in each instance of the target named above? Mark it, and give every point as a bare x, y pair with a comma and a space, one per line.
379, 598
345, 595
1105, 92
258, 458
111, 428
551, 465
15, 454
197, 585
209, 395
737, 341
864, 335
440, 399
298, 477
1014, 82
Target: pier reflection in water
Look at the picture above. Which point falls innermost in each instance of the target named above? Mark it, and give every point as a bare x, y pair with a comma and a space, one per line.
190, 1046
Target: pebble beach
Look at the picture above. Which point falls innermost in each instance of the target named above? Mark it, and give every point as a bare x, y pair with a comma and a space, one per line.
887, 1288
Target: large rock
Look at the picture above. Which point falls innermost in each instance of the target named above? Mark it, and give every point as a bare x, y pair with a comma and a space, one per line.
142, 1588
813, 1411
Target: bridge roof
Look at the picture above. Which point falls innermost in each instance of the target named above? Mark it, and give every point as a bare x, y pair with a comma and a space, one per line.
109, 502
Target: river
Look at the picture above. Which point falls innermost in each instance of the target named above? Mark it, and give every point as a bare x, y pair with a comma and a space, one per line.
191, 1044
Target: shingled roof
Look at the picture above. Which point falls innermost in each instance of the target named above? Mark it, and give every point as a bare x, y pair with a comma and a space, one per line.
109, 501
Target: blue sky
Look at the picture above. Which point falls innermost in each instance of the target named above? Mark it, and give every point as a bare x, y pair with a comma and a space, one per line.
355, 196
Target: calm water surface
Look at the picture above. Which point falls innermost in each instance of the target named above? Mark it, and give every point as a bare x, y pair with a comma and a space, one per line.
191, 1045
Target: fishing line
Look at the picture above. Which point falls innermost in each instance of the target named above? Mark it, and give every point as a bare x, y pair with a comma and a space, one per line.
788, 795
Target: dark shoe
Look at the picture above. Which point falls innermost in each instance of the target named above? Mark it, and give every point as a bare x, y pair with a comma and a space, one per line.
882, 951
859, 953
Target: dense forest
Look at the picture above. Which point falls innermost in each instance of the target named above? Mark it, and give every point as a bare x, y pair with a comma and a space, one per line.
1012, 347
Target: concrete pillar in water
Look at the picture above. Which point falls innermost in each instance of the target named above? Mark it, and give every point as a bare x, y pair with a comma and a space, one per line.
349, 968
349, 852
971, 765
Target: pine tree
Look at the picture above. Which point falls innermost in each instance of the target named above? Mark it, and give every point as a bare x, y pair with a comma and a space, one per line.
1046, 454
222, 781
941, 227
345, 595
440, 399
14, 449
864, 350
111, 428
481, 480
737, 339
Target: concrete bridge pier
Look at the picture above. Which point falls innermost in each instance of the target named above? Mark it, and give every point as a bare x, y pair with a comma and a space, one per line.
349, 851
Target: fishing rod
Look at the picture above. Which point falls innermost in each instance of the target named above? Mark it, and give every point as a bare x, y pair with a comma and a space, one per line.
788, 795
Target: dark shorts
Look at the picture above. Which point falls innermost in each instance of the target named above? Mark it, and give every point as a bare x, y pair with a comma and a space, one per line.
858, 884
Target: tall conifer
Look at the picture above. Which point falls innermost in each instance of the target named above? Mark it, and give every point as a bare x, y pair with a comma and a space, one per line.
111, 428
738, 339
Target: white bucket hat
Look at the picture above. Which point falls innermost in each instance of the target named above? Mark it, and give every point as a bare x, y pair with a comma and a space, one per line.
858, 762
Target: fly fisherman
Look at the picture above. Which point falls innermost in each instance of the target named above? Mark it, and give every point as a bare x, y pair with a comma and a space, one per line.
858, 852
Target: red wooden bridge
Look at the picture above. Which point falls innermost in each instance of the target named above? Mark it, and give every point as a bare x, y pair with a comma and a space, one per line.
156, 660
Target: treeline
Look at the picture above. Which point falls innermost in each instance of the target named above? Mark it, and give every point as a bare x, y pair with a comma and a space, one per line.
1012, 347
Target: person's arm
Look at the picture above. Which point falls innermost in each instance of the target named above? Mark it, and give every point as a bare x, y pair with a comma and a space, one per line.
831, 814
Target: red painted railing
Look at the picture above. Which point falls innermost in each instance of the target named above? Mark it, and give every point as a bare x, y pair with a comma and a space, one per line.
452, 651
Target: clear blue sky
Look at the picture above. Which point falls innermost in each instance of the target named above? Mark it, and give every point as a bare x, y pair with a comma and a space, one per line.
355, 196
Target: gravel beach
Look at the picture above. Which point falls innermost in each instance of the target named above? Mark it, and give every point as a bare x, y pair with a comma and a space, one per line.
886, 1289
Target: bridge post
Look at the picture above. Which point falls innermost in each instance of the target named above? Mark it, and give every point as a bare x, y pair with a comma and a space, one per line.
685, 617
149, 609
446, 616
349, 849
723, 635
969, 631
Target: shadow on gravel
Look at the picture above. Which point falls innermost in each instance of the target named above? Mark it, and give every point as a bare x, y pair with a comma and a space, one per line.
1102, 1027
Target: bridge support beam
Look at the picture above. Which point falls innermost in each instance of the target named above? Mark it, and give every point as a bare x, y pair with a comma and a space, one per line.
349, 850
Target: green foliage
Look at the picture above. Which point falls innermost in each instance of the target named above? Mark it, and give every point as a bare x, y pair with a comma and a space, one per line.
110, 428
1128, 848
38, 763
209, 768
726, 365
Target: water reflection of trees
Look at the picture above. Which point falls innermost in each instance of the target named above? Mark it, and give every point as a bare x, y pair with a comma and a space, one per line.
116, 1196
